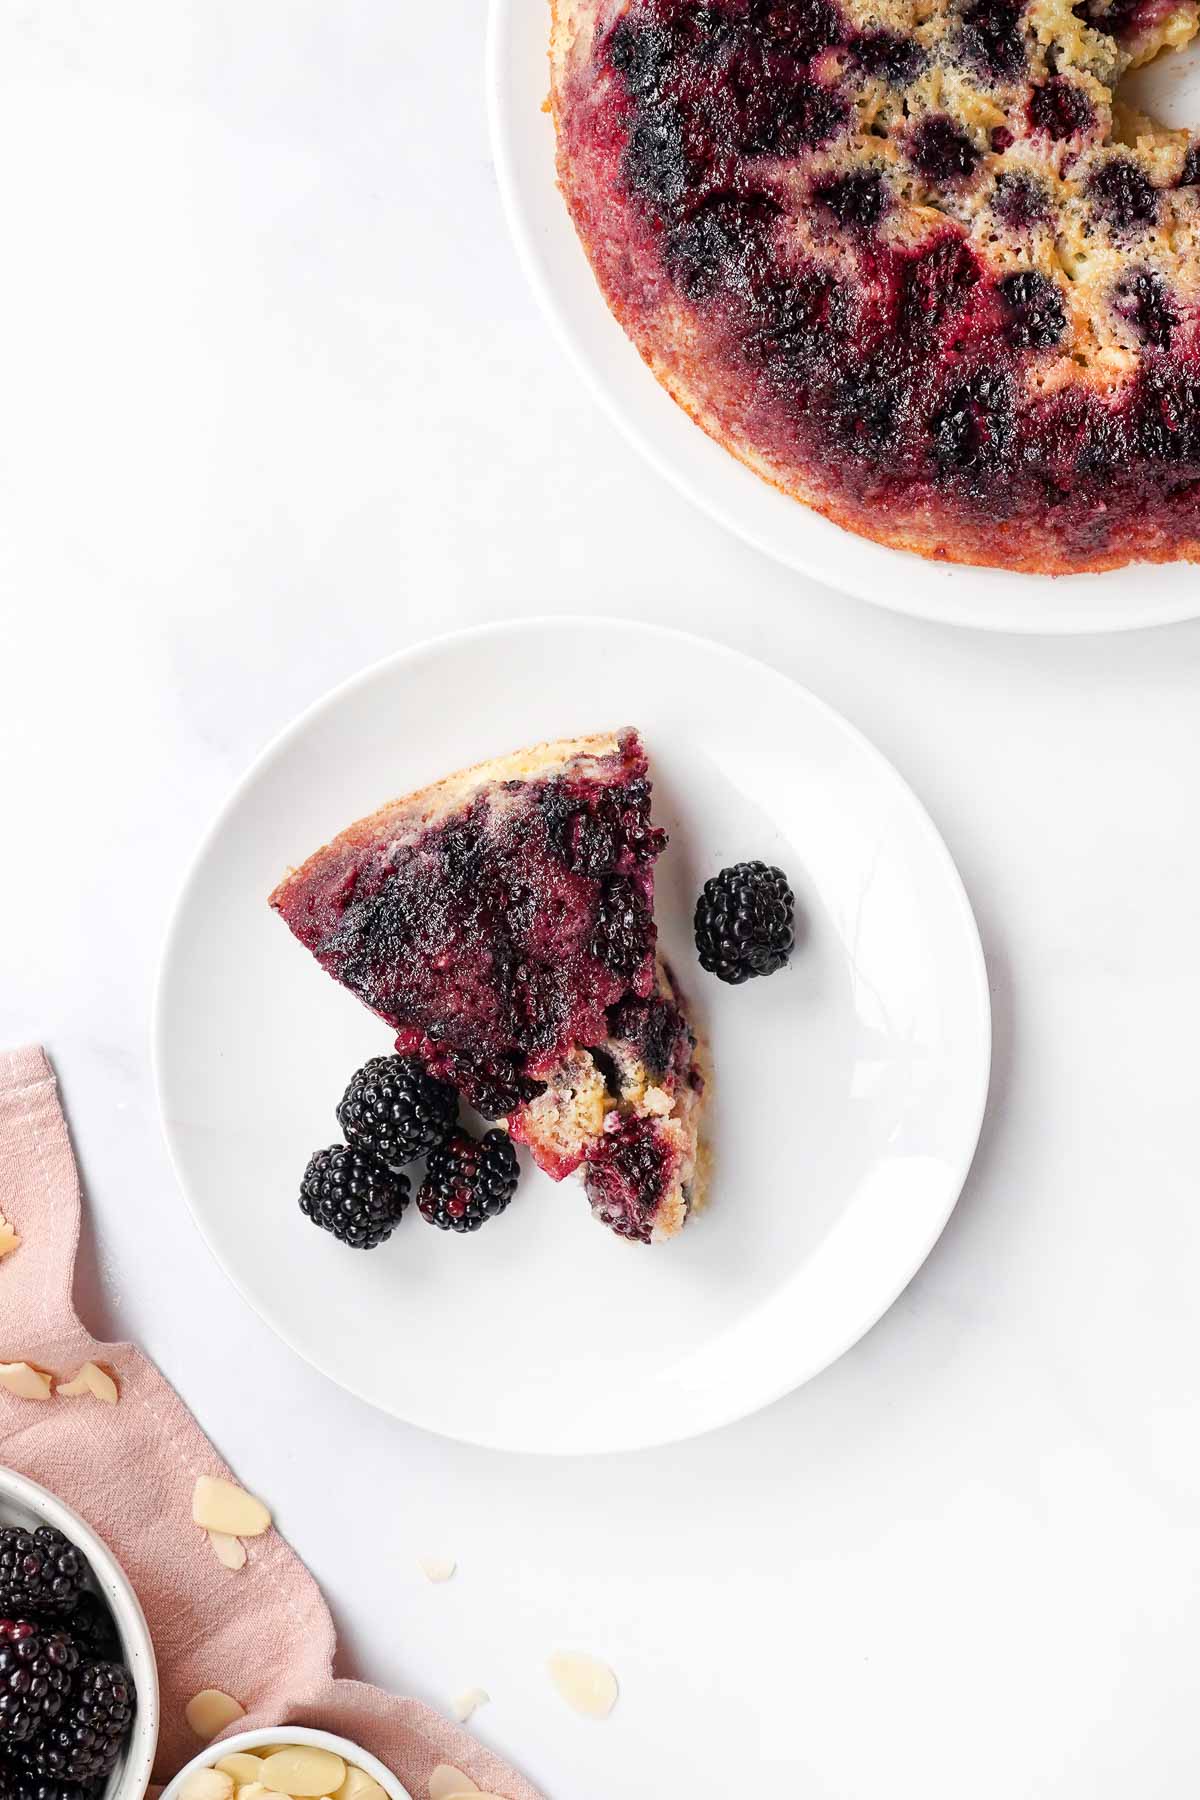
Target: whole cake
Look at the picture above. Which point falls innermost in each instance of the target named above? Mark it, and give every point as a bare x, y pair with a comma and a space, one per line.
502, 922
907, 259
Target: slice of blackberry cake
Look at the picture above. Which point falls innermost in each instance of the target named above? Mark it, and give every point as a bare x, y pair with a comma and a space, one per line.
502, 922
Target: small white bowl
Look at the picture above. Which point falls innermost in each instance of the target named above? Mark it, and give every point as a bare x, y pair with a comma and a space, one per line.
23, 1502
290, 1734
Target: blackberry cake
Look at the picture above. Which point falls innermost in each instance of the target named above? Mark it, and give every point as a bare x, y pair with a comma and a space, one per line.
502, 923
908, 260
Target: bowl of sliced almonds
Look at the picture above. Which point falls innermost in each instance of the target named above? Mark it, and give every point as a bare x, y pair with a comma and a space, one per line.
285, 1762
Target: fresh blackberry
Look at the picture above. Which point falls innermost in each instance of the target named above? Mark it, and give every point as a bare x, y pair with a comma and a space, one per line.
19, 1784
96, 1637
352, 1195
468, 1182
745, 922
395, 1111
82, 1746
37, 1663
624, 929
41, 1572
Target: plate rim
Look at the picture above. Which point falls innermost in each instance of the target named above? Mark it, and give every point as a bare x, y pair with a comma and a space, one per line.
1056, 618
972, 1117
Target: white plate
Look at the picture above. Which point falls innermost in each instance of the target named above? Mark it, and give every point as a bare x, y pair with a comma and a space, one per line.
849, 1089
523, 148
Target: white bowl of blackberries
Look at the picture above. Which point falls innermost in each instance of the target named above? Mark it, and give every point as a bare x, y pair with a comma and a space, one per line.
78, 1682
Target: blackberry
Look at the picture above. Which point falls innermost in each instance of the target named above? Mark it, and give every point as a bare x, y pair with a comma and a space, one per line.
992, 38
1189, 175
895, 59
96, 1637
1125, 194
942, 151
468, 1182
624, 929
84, 1743
1037, 316
395, 1111
1143, 298
350, 1194
19, 1784
859, 199
41, 1572
37, 1664
745, 922
1060, 108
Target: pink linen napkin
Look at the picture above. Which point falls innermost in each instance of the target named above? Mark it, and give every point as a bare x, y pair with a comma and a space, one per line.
129, 1471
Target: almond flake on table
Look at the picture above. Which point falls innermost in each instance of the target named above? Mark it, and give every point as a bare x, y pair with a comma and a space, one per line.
448, 1783
586, 1684
464, 1704
91, 1379
26, 1382
436, 1568
228, 1550
220, 1505
209, 1712
9, 1237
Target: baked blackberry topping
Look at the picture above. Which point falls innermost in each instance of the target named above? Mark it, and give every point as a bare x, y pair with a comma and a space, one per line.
1143, 298
468, 1181
973, 430
942, 151
1019, 201
886, 54
651, 1028
991, 38
395, 1111
1060, 108
83, 1745
41, 1573
350, 1194
1189, 175
627, 1174
596, 834
859, 199
1037, 314
724, 243
801, 26
37, 1664
624, 929
1124, 195
745, 922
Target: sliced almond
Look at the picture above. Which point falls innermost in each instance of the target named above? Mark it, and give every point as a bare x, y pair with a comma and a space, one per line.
209, 1712
241, 1766
358, 1785
447, 1783
91, 1379
228, 1550
304, 1772
26, 1382
9, 1238
253, 1790
464, 1704
221, 1505
207, 1784
585, 1683
436, 1568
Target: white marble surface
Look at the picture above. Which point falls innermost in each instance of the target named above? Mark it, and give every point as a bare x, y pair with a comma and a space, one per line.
275, 402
